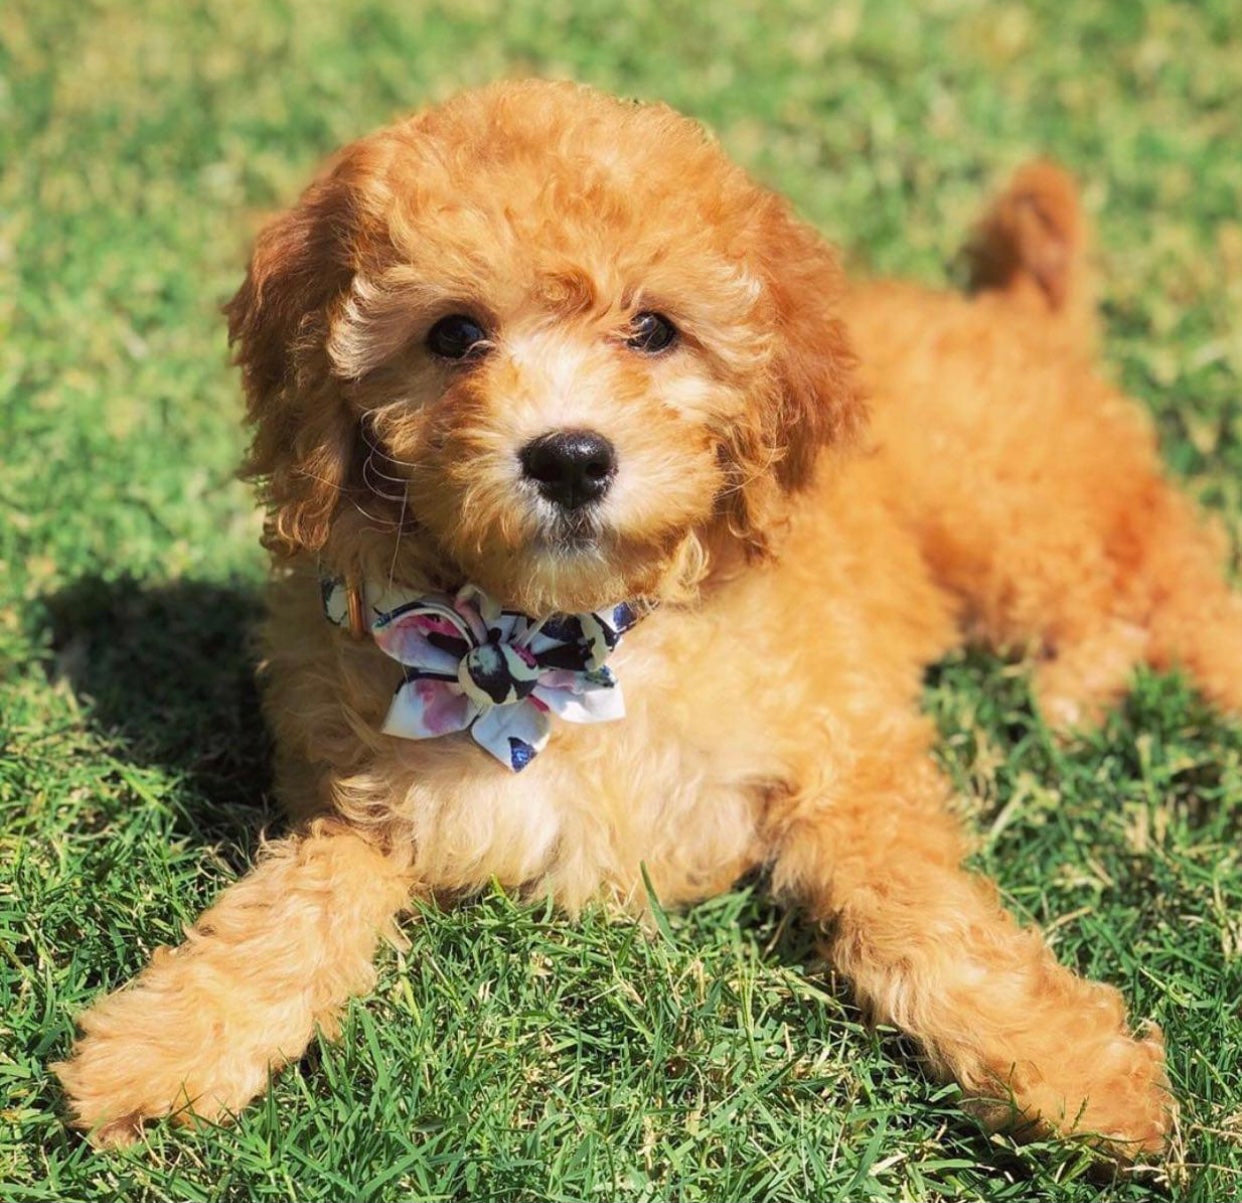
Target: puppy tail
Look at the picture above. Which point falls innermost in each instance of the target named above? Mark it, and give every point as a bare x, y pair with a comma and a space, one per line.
1032, 243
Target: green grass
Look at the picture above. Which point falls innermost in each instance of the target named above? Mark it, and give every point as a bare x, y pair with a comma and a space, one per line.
510, 1053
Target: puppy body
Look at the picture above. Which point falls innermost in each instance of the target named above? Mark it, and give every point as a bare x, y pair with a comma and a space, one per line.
687, 784
805, 569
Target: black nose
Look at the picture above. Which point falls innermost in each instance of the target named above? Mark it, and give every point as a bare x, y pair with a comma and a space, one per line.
571, 467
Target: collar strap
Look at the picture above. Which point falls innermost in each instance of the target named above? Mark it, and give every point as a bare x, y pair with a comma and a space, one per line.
344, 604
356, 609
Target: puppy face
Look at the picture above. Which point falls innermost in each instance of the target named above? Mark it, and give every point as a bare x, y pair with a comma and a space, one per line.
550, 342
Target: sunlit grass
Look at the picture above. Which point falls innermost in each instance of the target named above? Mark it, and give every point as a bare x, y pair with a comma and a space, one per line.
510, 1053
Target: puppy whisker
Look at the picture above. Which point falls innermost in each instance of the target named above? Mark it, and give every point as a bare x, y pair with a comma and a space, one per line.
370, 471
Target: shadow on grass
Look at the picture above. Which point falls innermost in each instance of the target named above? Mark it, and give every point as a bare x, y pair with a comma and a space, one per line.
168, 674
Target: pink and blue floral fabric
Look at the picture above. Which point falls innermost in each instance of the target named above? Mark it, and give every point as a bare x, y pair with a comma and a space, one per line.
472, 666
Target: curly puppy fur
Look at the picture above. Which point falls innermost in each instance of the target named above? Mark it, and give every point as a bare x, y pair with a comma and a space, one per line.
809, 559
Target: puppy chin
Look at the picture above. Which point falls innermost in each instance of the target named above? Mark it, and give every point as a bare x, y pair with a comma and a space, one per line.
574, 571
570, 575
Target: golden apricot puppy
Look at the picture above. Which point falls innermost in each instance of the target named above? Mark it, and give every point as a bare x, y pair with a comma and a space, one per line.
613, 528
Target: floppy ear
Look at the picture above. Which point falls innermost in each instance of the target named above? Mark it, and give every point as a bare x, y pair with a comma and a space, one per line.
304, 434
817, 400
811, 400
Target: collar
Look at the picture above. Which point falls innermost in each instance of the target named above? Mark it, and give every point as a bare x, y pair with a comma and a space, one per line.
471, 665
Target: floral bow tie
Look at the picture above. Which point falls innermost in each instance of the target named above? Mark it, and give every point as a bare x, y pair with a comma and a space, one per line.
469, 665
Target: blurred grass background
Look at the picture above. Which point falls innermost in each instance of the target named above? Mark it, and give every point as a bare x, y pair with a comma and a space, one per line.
509, 1054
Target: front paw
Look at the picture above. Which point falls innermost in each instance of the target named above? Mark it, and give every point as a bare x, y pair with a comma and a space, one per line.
1128, 1101
146, 1054
115, 1085
1115, 1095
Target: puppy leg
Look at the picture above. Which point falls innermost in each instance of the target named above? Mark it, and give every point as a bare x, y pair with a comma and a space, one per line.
1203, 637
1195, 617
1078, 681
928, 948
1170, 607
276, 957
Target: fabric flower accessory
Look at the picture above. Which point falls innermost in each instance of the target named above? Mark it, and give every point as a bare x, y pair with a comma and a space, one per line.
471, 666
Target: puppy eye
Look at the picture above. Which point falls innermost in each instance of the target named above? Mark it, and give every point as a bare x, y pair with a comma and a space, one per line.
456, 337
651, 333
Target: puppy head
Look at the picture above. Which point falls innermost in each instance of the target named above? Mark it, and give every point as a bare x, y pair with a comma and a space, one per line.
546, 341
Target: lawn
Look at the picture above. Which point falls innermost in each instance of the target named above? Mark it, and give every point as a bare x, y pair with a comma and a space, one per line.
510, 1053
